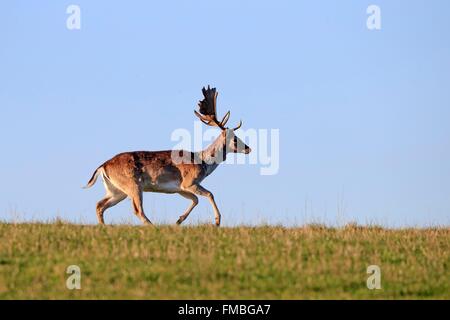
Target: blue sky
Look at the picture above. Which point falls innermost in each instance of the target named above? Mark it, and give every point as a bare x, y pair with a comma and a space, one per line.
363, 115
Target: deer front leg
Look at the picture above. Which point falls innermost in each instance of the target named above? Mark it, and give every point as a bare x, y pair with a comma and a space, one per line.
194, 199
199, 190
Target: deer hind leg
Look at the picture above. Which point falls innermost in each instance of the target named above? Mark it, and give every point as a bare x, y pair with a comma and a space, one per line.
199, 190
113, 197
135, 195
194, 199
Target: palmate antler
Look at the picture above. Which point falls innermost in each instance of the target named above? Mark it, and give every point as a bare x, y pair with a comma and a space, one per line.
208, 113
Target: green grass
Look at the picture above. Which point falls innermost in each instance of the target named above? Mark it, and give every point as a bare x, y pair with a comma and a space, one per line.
313, 262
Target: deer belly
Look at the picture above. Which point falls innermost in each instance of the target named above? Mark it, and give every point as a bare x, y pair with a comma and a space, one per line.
165, 187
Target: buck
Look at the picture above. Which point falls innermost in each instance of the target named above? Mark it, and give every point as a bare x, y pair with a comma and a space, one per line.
130, 174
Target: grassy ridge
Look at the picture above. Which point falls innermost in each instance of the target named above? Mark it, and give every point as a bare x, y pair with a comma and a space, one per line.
205, 262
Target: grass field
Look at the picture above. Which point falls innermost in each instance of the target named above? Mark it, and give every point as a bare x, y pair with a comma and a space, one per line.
204, 262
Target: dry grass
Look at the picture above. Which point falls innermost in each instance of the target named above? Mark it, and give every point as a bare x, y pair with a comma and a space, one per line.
312, 262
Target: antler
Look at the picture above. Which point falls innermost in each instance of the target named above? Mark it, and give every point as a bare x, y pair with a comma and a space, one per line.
207, 109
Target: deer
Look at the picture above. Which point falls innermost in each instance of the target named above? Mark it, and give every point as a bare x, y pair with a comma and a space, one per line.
129, 174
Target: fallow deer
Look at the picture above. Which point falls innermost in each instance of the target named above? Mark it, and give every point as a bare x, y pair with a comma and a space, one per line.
130, 174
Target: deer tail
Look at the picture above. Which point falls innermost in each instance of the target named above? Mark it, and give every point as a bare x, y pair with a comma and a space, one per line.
94, 177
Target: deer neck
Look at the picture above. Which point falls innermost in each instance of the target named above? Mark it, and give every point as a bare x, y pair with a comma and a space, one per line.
214, 154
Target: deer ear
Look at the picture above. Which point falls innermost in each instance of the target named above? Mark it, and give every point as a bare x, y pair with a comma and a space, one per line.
238, 126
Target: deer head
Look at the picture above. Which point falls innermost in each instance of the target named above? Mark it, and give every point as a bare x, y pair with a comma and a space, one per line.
208, 115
